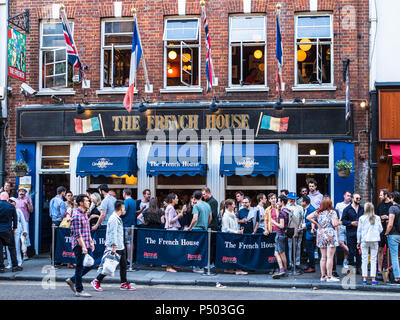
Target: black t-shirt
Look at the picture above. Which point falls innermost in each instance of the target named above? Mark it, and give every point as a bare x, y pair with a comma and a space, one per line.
383, 210
95, 211
395, 209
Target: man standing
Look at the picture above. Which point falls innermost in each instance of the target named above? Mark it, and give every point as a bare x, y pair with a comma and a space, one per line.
342, 229
309, 233
350, 217
383, 212
106, 207
129, 219
393, 234
314, 194
57, 206
201, 218
115, 244
295, 221
143, 203
206, 192
303, 192
259, 226
24, 203
82, 243
272, 212
8, 227
243, 217
239, 196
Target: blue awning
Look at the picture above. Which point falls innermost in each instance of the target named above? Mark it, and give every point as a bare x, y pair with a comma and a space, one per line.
106, 160
183, 159
249, 160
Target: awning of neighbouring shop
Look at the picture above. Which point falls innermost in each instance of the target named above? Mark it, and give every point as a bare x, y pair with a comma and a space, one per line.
177, 160
249, 159
107, 160
395, 148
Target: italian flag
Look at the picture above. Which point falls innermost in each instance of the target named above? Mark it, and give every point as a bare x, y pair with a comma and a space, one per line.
275, 124
86, 126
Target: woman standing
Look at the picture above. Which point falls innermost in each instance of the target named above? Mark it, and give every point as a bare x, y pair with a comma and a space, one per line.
368, 237
20, 231
325, 218
152, 217
94, 214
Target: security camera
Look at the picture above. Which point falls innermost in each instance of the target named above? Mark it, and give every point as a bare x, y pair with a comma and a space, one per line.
27, 90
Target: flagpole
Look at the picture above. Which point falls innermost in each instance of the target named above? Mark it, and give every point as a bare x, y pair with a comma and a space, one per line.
148, 85
259, 123
101, 125
278, 13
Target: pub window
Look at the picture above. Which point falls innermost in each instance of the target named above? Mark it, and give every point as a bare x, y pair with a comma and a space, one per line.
116, 53
247, 51
313, 155
314, 50
55, 157
181, 53
55, 70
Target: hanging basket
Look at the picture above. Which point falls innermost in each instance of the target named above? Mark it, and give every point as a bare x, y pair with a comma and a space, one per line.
343, 173
20, 173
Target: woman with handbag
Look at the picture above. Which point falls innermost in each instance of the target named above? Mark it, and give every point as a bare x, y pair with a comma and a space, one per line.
325, 218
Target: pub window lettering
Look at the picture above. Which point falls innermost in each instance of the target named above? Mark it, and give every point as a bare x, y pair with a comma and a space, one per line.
247, 51
116, 46
181, 53
55, 70
314, 51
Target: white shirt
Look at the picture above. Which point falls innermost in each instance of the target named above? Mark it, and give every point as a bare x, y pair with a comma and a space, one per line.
229, 222
367, 232
340, 207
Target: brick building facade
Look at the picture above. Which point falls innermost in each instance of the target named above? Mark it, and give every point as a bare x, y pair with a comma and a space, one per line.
349, 41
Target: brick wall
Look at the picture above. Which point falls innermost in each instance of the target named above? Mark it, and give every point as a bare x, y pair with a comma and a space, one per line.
350, 41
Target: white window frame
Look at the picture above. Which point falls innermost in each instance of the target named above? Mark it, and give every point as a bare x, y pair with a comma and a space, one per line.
238, 87
182, 88
309, 86
42, 89
53, 171
111, 90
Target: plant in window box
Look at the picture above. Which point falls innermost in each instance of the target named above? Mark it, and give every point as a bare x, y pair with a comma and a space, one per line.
20, 168
344, 168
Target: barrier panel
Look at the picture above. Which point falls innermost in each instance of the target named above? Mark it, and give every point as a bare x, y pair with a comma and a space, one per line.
64, 253
171, 248
247, 252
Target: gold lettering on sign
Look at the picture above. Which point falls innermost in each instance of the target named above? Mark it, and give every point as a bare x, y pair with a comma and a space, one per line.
126, 123
227, 121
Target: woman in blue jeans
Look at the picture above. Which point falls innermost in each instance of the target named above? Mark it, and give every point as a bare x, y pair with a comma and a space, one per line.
393, 234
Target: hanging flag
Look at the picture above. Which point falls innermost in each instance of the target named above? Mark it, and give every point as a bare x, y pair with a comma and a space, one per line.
88, 125
279, 55
136, 53
72, 51
348, 90
275, 124
209, 64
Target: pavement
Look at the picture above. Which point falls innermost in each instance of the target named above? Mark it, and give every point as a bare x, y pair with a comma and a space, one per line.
39, 268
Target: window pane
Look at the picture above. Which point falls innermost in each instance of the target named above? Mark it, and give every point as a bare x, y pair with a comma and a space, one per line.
60, 67
122, 62
53, 28
107, 68
253, 65
58, 163
53, 41
174, 67
313, 162
49, 69
313, 27
60, 55
247, 29
118, 26
320, 148
181, 30
259, 180
58, 150
182, 180
49, 56
118, 40
236, 65
59, 81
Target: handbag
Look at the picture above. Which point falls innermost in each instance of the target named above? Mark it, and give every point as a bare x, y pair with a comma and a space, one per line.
23, 244
109, 263
88, 261
65, 223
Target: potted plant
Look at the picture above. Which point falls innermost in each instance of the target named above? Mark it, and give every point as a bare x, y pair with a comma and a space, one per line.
344, 168
20, 168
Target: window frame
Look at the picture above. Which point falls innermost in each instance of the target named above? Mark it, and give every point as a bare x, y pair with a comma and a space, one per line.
241, 44
40, 158
182, 88
322, 86
42, 89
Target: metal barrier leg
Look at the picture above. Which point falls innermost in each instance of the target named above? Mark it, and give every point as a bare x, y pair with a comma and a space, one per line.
132, 238
294, 246
53, 231
208, 273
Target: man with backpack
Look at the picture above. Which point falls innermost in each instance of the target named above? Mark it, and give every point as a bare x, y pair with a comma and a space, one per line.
393, 234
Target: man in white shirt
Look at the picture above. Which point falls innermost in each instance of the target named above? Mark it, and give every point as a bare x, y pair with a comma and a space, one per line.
342, 229
297, 220
258, 214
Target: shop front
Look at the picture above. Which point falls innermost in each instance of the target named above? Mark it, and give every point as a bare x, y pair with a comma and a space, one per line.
180, 148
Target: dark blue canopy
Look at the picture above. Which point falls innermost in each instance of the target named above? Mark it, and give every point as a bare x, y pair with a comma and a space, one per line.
106, 160
175, 159
257, 159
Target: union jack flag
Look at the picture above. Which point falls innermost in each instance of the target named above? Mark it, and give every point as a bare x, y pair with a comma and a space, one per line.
72, 51
209, 64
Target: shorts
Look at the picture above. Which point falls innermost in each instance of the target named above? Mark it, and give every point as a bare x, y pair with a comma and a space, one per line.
383, 241
342, 234
280, 243
127, 235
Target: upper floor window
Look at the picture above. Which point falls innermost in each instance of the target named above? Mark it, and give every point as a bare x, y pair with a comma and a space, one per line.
181, 52
247, 51
55, 70
314, 50
116, 46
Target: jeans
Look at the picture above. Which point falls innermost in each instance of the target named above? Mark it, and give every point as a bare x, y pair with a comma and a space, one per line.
393, 242
310, 248
17, 241
297, 244
353, 252
7, 239
365, 247
80, 270
122, 268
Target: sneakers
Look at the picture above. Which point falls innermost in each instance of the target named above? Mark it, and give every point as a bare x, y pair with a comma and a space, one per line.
240, 272
71, 285
345, 263
332, 279
8, 267
96, 285
16, 269
198, 270
83, 294
127, 287
2, 270
374, 283
323, 278
278, 275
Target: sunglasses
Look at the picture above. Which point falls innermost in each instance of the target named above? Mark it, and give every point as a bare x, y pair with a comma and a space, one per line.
358, 199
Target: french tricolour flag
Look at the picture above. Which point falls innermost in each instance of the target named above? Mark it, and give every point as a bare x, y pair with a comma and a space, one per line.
275, 124
88, 125
136, 53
